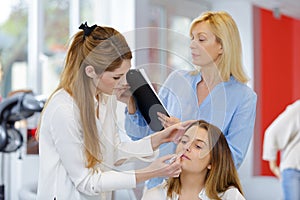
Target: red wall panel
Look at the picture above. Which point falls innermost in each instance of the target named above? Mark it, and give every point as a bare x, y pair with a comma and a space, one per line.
276, 66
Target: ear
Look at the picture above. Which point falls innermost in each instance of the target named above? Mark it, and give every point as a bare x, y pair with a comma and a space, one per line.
90, 71
209, 167
221, 49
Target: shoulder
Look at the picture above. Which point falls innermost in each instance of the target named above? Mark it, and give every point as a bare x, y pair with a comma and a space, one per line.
289, 115
61, 104
294, 106
180, 78
61, 96
232, 193
241, 89
158, 192
180, 73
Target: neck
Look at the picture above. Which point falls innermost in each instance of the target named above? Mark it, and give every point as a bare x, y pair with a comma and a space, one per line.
211, 76
192, 184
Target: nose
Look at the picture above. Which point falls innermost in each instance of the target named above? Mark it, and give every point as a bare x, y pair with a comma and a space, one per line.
191, 45
187, 146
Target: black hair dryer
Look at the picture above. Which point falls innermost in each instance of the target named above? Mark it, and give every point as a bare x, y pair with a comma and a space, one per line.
15, 108
12, 109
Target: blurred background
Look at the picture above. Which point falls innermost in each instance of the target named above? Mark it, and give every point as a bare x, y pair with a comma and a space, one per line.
33, 41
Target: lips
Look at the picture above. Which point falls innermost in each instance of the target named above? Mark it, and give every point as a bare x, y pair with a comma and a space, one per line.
185, 157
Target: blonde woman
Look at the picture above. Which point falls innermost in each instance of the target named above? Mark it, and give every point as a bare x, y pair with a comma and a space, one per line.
79, 145
208, 171
216, 91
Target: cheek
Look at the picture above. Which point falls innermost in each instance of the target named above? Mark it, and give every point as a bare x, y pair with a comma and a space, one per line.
178, 149
107, 81
106, 85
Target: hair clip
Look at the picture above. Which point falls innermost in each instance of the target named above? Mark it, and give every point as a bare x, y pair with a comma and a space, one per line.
87, 30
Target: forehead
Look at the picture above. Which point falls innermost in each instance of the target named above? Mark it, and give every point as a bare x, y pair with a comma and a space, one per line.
196, 132
126, 64
201, 28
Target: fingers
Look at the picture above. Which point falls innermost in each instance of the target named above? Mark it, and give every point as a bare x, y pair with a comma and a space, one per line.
122, 87
167, 157
175, 168
122, 92
167, 121
187, 123
163, 119
177, 173
163, 168
162, 116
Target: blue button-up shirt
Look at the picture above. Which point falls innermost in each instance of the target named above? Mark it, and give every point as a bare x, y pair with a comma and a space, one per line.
231, 106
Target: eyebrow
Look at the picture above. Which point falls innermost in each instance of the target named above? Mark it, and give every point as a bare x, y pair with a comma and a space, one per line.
202, 33
118, 74
197, 139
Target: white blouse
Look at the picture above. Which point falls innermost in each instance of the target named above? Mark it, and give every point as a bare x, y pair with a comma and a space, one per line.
62, 171
284, 135
160, 193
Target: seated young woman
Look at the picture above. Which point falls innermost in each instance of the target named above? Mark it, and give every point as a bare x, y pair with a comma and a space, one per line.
208, 170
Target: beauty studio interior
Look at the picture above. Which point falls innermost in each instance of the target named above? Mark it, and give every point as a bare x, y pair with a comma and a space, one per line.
34, 36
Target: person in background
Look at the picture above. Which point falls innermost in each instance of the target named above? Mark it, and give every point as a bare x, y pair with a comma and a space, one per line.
208, 171
284, 135
216, 91
79, 143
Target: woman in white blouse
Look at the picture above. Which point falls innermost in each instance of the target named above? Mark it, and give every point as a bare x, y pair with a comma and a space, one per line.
283, 135
208, 171
79, 145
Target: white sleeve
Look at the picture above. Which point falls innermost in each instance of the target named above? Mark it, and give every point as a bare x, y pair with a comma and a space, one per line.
140, 150
67, 137
279, 133
158, 193
232, 194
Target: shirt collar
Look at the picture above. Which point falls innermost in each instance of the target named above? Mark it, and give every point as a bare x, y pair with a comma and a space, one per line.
202, 195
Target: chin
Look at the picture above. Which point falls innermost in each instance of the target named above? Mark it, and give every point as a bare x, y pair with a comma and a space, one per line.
107, 92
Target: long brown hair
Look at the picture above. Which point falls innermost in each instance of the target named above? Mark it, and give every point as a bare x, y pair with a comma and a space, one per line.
222, 174
104, 48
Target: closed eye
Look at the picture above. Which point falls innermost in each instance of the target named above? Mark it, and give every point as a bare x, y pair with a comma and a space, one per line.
183, 142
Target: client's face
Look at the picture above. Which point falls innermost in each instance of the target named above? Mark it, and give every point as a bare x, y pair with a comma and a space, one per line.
195, 148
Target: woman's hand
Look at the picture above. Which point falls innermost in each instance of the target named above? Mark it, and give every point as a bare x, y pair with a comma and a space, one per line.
124, 95
167, 121
160, 168
122, 92
170, 134
274, 168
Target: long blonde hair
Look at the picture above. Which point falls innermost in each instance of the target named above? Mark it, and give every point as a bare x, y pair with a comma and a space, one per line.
227, 34
222, 174
104, 49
